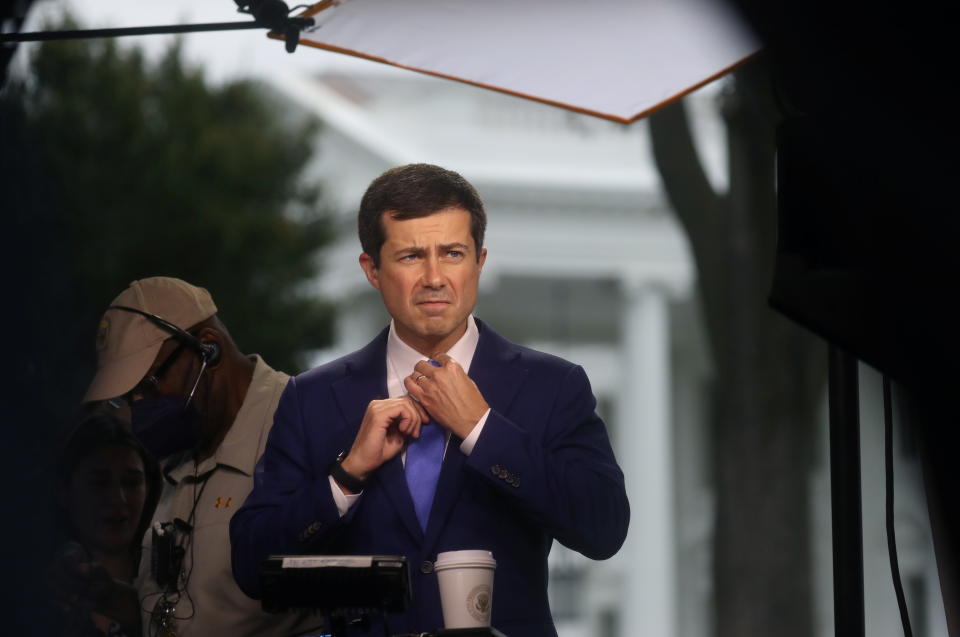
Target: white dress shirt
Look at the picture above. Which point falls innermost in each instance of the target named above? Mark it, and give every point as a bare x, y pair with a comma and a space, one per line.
401, 359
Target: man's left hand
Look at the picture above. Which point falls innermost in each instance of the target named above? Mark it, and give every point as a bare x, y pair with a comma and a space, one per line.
447, 393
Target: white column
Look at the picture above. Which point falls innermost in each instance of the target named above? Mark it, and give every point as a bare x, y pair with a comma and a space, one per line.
644, 449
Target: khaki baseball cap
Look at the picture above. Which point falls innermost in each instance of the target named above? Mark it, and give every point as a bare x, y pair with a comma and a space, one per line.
127, 343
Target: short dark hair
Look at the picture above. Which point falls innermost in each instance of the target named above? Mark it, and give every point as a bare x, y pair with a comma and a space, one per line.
412, 191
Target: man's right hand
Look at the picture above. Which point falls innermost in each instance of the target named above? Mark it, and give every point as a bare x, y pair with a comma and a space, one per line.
386, 425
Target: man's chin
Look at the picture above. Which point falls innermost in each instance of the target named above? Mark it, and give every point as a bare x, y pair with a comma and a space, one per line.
437, 327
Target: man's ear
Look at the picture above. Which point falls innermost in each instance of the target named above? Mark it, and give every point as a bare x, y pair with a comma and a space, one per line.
214, 338
483, 257
366, 262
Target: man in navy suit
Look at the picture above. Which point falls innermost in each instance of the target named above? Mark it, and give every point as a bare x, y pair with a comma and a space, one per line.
439, 434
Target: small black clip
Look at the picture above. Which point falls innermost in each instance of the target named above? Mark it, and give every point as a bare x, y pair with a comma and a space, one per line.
182, 525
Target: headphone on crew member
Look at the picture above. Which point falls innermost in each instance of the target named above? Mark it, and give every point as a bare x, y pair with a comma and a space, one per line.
209, 351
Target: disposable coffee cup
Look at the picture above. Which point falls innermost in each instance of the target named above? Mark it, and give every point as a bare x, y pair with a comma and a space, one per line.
466, 587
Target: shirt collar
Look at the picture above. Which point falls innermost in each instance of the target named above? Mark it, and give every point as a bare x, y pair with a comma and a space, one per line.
402, 358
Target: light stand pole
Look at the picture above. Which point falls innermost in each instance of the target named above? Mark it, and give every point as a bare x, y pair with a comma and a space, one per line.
845, 494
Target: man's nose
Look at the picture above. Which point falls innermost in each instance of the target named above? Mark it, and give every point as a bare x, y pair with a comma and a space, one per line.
433, 273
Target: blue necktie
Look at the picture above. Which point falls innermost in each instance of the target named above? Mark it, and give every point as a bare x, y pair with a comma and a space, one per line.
424, 457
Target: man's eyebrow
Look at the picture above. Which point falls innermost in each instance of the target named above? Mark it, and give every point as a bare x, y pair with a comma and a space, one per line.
414, 249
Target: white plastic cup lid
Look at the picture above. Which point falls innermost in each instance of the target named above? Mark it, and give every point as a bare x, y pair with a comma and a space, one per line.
465, 556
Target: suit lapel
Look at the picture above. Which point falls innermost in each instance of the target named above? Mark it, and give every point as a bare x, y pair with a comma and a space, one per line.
497, 371
365, 379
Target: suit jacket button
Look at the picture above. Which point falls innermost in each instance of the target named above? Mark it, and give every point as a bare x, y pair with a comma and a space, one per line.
495, 470
515, 481
426, 567
503, 473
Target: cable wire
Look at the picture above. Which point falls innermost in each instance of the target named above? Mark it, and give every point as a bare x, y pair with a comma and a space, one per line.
891, 531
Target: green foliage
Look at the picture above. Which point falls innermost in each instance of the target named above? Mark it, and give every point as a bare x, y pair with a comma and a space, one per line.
129, 168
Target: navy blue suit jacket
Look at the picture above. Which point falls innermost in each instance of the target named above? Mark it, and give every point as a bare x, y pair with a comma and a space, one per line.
542, 469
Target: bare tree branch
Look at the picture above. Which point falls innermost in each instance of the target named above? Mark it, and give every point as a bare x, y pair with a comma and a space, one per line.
699, 208
684, 179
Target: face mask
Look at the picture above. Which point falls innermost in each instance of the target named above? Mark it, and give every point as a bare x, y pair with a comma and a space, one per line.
164, 426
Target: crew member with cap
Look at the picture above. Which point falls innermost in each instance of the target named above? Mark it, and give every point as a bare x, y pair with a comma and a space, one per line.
204, 408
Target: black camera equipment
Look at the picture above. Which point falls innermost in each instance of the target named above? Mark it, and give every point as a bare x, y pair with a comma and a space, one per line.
346, 589
480, 631
275, 15
166, 556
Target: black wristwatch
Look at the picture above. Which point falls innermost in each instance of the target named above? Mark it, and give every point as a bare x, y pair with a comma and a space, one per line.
340, 474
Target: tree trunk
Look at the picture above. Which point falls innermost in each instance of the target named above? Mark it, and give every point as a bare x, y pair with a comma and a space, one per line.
768, 372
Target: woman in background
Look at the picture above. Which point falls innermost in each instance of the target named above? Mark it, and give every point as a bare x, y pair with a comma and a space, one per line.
107, 486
